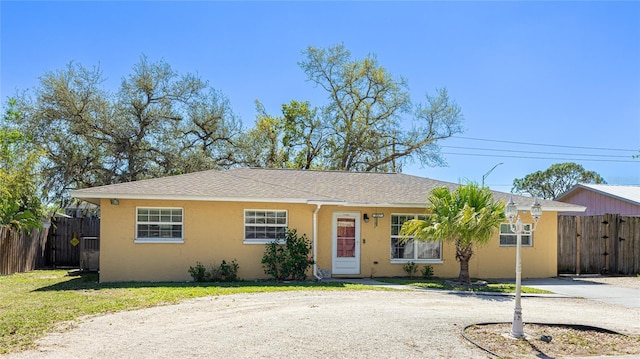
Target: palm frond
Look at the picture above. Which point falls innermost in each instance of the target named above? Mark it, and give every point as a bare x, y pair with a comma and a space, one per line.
466, 215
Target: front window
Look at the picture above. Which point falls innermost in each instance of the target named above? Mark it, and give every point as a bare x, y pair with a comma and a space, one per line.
412, 250
159, 225
264, 226
509, 238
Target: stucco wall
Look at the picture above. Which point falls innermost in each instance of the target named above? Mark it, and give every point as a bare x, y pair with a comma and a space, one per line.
538, 261
375, 244
213, 231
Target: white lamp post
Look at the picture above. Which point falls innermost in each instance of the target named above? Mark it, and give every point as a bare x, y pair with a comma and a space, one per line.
511, 212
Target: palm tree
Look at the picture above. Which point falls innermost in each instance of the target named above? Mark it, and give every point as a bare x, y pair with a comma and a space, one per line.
469, 215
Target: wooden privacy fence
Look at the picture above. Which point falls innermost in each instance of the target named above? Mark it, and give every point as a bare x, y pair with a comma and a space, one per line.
21, 251
605, 244
66, 240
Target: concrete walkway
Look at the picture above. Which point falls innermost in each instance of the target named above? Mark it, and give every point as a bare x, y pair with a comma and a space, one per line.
574, 287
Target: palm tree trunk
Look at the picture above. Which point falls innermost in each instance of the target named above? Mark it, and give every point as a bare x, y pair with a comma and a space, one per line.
463, 277
463, 255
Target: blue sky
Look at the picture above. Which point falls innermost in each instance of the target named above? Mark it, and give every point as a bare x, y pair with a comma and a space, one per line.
553, 73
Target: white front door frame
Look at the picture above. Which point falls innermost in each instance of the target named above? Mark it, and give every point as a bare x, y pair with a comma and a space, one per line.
345, 262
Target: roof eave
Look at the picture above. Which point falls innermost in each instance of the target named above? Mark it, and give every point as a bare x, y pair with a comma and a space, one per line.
96, 197
387, 205
559, 208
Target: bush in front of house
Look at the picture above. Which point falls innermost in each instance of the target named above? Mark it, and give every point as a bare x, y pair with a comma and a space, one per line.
225, 272
427, 272
198, 273
289, 260
410, 268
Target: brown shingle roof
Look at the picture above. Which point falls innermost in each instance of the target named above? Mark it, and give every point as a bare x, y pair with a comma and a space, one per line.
290, 185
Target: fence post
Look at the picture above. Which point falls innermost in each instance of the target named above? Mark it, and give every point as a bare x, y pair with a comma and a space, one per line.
578, 235
607, 247
613, 244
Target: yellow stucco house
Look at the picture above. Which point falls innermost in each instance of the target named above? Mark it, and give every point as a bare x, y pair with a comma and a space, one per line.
153, 230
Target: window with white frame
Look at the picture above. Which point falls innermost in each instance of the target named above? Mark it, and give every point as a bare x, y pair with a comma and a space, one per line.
509, 238
264, 226
412, 250
159, 225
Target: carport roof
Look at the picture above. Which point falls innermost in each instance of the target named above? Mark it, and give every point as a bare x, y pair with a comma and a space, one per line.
293, 186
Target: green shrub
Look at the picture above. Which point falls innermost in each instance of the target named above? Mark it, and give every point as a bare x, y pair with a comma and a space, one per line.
288, 261
410, 268
427, 271
229, 271
213, 275
199, 272
225, 272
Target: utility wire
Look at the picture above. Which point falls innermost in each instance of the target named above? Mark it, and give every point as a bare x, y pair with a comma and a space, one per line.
542, 153
538, 158
542, 144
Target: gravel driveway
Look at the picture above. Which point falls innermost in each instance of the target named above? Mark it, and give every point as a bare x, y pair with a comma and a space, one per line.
312, 324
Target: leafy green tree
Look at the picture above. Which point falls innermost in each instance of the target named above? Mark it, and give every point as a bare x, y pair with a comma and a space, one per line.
467, 216
210, 137
370, 122
20, 205
158, 123
555, 180
262, 144
296, 139
304, 135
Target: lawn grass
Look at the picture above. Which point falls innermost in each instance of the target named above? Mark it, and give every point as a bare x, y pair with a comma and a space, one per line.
445, 284
34, 303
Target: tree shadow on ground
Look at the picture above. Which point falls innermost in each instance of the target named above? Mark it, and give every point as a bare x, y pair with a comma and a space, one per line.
91, 282
491, 297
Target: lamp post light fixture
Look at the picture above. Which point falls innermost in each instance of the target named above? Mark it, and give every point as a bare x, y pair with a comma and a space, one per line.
511, 212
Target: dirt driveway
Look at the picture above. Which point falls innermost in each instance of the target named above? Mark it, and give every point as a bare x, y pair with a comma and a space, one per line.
352, 324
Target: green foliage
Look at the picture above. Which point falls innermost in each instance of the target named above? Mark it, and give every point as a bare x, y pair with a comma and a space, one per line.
466, 216
294, 140
410, 268
365, 110
288, 261
363, 127
261, 146
228, 272
225, 272
304, 135
427, 271
20, 205
157, 123
446, 284
160, 122
555, 180
198, 273
35, 303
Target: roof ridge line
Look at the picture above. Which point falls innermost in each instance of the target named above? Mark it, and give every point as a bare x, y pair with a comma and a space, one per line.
316, 170
254, 179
